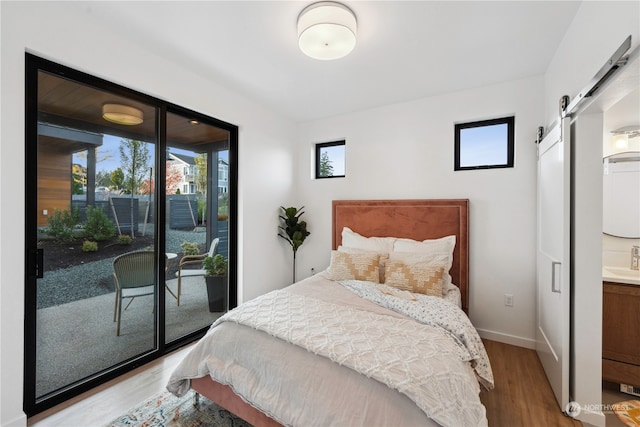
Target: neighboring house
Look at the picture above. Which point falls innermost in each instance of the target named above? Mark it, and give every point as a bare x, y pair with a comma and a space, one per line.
185, 167
223, 176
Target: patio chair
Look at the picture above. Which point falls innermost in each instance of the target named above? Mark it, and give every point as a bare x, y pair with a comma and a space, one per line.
191, 260
133, 276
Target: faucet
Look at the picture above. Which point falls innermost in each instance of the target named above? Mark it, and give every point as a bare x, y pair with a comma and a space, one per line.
635, 257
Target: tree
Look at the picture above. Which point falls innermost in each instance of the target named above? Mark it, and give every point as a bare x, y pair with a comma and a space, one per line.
117, 178
79, 174
173, 178
201, 173
134, 159
103, 179
326, 168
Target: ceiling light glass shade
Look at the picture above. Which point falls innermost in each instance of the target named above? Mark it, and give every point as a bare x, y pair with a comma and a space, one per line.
327, 30
620, 138
620, 141
122, 114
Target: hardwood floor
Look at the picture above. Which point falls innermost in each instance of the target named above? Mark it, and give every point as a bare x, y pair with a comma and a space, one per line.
104, 403
522, 395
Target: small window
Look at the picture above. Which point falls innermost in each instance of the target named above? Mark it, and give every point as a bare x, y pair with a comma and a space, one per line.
330, 159
485, 144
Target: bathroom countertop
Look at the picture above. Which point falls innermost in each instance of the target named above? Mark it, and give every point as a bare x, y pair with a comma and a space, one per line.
621, 275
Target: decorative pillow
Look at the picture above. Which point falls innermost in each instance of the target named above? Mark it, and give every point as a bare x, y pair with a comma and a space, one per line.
384, 256
354, 266
415, 273
352, 239
439, 250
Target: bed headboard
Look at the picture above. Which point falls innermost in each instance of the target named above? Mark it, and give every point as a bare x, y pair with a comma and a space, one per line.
413, 219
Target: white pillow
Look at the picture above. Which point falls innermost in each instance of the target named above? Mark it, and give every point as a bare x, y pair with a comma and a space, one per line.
351, 239
439, 250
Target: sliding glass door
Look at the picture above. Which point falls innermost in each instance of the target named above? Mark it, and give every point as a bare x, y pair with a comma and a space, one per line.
126, 195
196, 224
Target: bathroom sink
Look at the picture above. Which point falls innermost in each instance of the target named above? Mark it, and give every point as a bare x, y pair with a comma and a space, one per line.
626, 272
622, 275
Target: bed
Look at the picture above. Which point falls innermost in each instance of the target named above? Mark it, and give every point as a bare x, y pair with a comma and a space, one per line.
347, 346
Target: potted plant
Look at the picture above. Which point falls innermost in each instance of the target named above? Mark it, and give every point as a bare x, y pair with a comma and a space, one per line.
295, 230
216, 278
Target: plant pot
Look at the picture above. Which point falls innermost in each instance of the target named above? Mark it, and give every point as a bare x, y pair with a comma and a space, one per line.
216, 292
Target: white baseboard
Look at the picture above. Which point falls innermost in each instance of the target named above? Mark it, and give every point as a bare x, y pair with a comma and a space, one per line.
507, 339
20, 421
589, 418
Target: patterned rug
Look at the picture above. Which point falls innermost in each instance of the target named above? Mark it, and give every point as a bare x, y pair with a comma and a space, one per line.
166, 410
628, 412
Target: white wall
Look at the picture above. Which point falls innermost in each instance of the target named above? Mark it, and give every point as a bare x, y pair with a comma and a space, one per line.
68, 33
595, 33
597, 30
406, 151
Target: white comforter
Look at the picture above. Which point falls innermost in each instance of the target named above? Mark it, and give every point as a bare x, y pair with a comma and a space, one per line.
429, 366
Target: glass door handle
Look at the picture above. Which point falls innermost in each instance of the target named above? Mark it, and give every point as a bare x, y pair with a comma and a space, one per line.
36, 263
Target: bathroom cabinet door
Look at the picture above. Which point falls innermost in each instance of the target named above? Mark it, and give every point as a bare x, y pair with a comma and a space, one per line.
621, 317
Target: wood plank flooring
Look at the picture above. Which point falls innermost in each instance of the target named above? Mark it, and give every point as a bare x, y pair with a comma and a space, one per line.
522, 396
104, 403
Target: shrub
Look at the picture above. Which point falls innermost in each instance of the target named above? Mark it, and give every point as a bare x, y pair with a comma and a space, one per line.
62, 224
98, 226
190, 248
89, 246
215, 265
124, 239
201, 211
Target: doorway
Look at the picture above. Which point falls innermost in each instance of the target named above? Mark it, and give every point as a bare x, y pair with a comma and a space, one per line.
118, 185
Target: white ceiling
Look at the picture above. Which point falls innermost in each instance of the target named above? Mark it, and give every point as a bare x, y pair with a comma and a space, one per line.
405, 50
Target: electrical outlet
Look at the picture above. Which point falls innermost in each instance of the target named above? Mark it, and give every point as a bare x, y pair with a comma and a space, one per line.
313, 271
508, 300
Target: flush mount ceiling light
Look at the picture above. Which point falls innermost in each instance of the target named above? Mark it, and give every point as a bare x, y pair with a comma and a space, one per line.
327, 30
122, 114
620, 139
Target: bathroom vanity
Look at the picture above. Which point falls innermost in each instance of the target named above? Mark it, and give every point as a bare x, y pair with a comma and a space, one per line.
621, 332
620, 274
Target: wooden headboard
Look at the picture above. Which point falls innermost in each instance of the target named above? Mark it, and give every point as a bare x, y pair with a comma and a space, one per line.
412, 219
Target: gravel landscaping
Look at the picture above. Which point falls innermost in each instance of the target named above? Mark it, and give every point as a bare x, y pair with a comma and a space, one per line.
94, 278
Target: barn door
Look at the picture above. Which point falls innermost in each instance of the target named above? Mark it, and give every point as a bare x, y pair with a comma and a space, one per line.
553, 268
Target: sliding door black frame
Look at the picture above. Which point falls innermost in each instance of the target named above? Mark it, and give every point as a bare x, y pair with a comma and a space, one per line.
34, 64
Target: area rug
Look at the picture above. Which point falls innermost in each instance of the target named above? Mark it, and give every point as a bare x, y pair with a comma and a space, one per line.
166, 410
628, 412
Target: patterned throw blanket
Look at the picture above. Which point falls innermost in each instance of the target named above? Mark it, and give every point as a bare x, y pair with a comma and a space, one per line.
432, 311
420, 361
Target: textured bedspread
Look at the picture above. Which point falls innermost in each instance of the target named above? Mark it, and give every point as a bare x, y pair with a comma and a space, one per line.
368, 352
432, 311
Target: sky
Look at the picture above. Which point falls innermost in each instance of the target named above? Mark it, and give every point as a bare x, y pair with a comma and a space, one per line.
483, 145
337, 158
108, 155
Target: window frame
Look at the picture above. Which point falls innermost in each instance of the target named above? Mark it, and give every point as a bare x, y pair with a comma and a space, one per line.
509, 121
318, 152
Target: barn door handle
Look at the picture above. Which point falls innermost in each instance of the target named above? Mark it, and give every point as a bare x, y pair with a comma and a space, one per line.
554, 264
